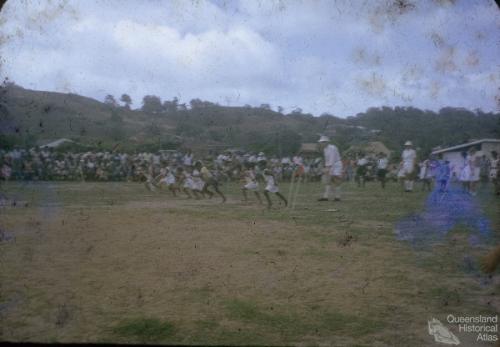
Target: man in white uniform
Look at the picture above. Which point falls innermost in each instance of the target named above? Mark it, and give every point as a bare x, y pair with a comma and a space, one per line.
332, 171
407, 172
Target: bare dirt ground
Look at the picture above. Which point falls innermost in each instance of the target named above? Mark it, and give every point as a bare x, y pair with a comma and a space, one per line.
85, 262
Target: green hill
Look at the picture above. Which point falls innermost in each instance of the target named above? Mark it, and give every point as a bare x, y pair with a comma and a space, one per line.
29, 118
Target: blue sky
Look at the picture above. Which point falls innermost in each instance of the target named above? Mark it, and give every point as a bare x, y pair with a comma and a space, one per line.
338, 57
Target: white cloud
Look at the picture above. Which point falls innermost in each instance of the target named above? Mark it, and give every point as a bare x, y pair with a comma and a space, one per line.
324, 56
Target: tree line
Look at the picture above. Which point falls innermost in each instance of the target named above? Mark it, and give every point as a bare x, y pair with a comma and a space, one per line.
262, 128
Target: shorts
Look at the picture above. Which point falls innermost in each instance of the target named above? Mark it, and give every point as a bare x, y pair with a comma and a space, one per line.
198, 185
474, 176
272, 188
251, 186
361, 170
167, 182
381, 173
336, 169
407, 171
465, 174
189, 184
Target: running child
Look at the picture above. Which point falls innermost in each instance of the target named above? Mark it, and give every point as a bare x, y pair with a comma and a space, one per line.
166, 177
272, 187
186, 181
210, 181
149, 176
198, 184
251, 183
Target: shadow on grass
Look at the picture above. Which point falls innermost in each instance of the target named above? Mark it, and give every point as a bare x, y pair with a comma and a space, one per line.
295, 326
144, 329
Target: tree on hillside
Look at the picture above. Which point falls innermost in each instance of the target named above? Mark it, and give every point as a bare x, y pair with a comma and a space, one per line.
197, 103
171, 106
153, 129
151, 104
296, 111
110, 100
289, 141
117, 131
127, 100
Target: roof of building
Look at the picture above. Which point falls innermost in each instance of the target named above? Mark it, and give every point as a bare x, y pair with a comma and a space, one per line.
309, 147
57, 143
464, 145
374, 147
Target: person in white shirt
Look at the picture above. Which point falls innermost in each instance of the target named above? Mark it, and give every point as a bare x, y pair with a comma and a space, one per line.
425, 175
261, 157
407, 171
332, 171
187, 160
474, 158
382, 163
361, 169
297, 160
285, 161
465, 173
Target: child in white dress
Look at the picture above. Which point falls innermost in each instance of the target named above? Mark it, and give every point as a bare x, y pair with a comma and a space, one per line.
251, 183
272, 187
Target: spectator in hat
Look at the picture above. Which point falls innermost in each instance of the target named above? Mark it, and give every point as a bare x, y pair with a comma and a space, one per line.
332, 171
408, 161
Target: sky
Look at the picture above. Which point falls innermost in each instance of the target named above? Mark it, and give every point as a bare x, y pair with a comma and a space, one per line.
337, 57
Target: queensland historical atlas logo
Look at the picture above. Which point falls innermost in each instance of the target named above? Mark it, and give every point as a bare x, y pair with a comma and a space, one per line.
484, 327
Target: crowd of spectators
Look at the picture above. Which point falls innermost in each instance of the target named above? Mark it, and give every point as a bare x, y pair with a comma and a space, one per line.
47, 164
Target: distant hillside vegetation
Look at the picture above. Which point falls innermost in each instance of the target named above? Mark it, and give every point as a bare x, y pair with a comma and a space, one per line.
29, 118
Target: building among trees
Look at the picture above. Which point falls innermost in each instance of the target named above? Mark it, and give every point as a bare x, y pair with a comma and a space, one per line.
454, 154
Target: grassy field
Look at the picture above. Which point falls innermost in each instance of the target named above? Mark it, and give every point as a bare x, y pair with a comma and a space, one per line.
113, 262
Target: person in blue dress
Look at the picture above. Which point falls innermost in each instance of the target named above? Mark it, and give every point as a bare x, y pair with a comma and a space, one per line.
443, 174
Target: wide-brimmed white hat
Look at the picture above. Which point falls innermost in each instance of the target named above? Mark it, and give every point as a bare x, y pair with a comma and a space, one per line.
408, 143
324, 138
